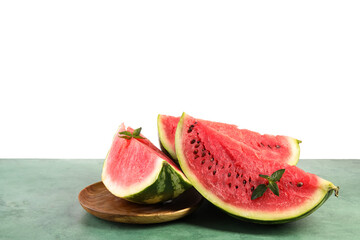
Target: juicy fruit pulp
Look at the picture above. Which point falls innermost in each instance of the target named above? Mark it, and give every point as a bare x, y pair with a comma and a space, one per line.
226, 172
136, 170
270, 147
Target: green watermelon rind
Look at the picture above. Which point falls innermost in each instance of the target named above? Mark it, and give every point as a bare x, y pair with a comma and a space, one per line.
295, 149
168, 185
164, 142
164, 184
319, 197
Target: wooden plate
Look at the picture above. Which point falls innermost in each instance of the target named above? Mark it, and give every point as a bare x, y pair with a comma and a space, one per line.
98, 201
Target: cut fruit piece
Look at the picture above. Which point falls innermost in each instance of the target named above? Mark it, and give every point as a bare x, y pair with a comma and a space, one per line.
226, 172
268, 147
134, 169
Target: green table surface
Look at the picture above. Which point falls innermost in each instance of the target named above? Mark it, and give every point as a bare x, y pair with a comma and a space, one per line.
39, 200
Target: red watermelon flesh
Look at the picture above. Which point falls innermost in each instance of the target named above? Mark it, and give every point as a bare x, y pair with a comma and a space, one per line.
269, 147
226, 172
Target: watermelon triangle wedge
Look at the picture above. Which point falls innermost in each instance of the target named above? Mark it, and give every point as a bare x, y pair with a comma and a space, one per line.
226, 172
277, 148
136, 170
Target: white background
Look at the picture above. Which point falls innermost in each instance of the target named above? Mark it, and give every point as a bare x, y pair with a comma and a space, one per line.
72, 71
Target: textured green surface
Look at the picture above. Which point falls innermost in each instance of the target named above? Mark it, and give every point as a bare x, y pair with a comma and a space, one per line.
38, 200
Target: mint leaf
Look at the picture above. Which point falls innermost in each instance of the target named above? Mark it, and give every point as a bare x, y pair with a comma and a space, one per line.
128, 135
125, 133
277, 175
137, 132
264, 176
259, 191
274, 188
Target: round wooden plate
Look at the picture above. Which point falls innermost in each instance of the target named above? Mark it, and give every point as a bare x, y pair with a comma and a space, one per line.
98, 201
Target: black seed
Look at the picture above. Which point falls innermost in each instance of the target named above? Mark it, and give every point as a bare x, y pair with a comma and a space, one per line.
209, 167
262, 144
211, 159
237, 175
241, 175
196, 156
236, 186
229, 174
197, 145
249, 179
277, 146
203, 154
244, 182
195, 151
192, 126
190, 130
222, 167
252, 188
195, 122
209, 153
214, 172
291, 183
192, 141
269, 146
203, 161
216, 163
229, 185
198, 141
300, 184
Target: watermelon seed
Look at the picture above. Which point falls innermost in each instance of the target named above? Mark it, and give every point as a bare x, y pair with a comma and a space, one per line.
262, 144
277, 146
195, 151
241, 175
229, 185
249, 179
214, 172
300, 184
252, 188
203, 154
229, 166
192, 141
195, 122
202, 162
209, 167
197, 145
211, 159
229, 174
192, 126
222, 167
269, 146
237, 175
216, 163
190, 130
196, 156
198, 141
244, 182
236, 186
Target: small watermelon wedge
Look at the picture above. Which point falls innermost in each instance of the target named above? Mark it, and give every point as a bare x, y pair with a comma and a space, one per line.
270, 147
227, 172
136, 170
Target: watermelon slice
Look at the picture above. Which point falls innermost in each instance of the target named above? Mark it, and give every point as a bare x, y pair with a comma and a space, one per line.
226, 172
270, 147
136, 170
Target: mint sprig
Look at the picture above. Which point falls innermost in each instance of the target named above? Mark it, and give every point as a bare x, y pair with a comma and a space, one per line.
128, 135
261, 189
